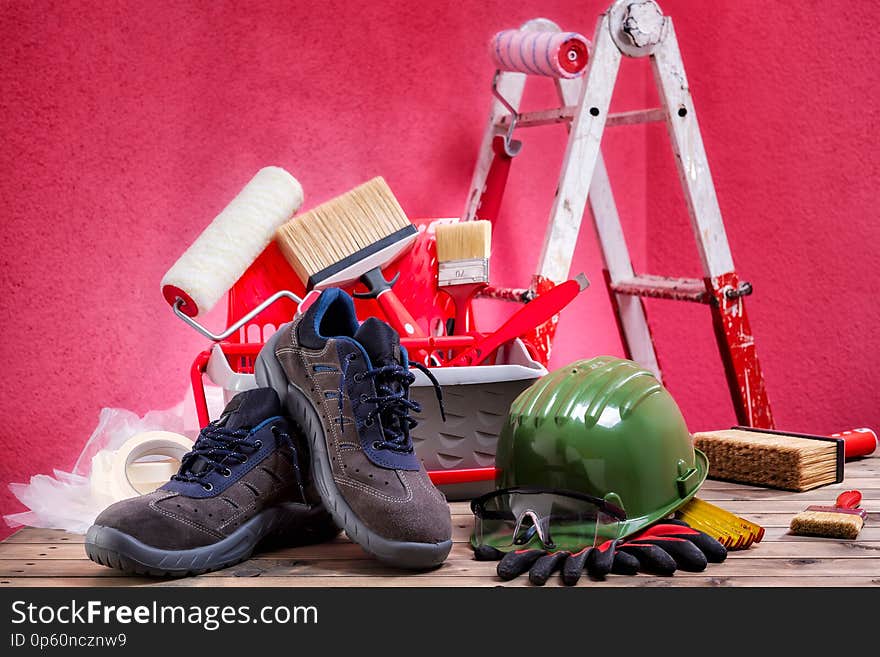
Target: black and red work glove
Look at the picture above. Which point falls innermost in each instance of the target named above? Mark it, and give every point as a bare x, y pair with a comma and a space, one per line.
671, 545
541, 564
660, 549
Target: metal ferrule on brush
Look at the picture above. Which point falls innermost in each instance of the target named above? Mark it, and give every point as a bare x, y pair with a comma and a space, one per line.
460, 272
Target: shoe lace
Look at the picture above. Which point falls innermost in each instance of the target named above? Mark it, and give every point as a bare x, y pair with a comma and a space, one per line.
220, 447
392, 403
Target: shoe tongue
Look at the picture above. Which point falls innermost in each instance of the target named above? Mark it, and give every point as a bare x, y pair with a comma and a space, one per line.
244, 411
380, 341
247, 409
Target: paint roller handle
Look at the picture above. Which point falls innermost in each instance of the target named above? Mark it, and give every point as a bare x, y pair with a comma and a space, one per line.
233, 328
857, 442
496, 179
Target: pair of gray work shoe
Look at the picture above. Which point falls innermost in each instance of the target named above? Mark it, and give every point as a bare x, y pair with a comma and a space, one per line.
322, 444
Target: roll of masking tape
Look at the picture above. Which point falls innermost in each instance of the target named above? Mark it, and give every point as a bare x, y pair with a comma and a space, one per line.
118, 475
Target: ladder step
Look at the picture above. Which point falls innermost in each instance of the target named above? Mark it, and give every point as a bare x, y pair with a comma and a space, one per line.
540, 117
663, 287
563, 114
635, 117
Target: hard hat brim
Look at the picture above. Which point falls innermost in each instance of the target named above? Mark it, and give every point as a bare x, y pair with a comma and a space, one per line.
633, 525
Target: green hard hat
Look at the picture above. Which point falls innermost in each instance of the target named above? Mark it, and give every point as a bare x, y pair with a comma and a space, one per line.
604, 427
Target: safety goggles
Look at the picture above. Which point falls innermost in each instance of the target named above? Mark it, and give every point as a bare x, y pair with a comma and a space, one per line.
513, 518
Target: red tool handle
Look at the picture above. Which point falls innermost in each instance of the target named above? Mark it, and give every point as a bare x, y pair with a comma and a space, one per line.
496, 181
535, 312
857, 442
462, 296
398, 316
396, 313
849, 499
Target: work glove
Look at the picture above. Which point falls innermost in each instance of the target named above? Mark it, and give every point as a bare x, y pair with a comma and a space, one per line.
660, 549
541, 564
671, 545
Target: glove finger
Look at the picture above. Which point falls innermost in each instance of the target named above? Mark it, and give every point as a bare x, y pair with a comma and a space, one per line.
516, 563
651, 559
675, 521
573, 567
624, 564
663, 528
487, 553
687, 555
714, 551
546, 566
601, 559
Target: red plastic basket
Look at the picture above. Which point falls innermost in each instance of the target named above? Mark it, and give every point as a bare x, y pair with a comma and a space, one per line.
271, 273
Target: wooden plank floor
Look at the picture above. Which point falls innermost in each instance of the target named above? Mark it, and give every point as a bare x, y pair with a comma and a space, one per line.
39, 557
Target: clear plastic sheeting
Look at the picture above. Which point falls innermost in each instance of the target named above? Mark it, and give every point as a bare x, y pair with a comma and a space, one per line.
65, 500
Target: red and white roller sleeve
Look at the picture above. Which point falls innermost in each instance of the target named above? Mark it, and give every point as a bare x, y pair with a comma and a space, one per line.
230, 243
554, 54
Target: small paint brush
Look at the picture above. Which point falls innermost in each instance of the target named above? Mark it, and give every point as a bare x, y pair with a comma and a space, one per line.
843, 520
463, 266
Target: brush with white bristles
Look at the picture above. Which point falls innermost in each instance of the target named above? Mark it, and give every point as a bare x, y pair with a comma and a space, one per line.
463, 266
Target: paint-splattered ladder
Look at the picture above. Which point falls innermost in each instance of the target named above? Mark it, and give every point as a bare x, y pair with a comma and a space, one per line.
629, 28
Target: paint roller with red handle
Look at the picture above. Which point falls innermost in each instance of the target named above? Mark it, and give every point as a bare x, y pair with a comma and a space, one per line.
235, 241
544, 52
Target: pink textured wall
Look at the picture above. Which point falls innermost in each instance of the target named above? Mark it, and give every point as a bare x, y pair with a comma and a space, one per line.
127, 126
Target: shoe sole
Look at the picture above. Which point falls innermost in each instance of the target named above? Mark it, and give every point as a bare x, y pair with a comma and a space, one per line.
303, 414
115, 549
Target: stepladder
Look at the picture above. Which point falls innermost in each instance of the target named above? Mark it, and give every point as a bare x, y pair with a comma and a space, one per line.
629, 28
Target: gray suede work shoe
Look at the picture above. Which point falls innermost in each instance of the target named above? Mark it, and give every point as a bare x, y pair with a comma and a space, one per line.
346, 387
243, 482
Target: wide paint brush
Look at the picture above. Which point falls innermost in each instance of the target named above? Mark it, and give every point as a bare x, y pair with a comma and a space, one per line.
349, 238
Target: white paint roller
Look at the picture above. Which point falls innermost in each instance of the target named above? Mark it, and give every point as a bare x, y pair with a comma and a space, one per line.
230, 243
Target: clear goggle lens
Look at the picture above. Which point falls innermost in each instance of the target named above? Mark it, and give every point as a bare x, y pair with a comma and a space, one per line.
552, 519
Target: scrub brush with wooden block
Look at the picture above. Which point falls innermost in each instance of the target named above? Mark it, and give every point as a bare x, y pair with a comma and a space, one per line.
775, 459
843, 520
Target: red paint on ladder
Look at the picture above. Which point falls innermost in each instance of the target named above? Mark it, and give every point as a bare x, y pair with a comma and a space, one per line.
737, 347
540, 339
